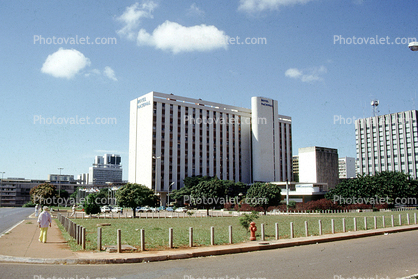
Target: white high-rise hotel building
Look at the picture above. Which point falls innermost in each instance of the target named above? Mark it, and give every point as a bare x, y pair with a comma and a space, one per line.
173, 137
387, 143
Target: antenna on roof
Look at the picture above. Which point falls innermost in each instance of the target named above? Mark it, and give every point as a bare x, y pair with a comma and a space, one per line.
375, 104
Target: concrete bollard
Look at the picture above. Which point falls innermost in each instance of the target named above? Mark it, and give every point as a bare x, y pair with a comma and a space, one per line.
415, 218
119, 240
170, 237
262, 232
374, 222
292, 235
320, 227
190, 237
365, 223
332, 226
276, 229
77, 231
306, 229
99, 239
83, 238
407, 219
212, 236
400, 220
344, 229
355, 224
230, 235
142, 240
392, 220
383, 222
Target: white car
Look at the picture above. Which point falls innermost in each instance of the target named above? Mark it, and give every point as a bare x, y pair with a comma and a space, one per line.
105, 209
117, 209
181, 209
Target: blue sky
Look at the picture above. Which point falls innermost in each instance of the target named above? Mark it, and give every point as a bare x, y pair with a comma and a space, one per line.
318, 58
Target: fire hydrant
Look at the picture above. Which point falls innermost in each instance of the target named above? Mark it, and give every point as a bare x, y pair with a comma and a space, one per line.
253, 229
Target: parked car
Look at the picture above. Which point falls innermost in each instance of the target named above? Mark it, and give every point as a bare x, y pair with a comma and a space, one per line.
154, 209
169, 209
145, 209
117, 209
181, 209
106, 209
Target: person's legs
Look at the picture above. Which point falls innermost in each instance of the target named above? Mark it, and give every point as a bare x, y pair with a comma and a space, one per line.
42, 236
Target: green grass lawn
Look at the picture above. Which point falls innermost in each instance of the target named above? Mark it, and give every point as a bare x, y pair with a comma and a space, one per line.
156, 230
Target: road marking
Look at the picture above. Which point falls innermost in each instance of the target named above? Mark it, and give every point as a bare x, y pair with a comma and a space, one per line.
6, 232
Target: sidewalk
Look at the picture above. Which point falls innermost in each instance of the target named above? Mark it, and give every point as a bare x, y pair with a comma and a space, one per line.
21, 245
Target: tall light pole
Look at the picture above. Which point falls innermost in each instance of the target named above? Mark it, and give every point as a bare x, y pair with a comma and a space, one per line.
172, 183
59, 183
1, 186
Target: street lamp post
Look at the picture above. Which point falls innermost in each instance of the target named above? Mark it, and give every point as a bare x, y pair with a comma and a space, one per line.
1, 186
172, 183
59, 183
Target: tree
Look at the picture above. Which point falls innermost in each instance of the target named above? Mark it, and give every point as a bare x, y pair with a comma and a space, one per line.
246, 219
91, 206
43, 194
263, 195
208, 194
185, 192
391, 187
134, 195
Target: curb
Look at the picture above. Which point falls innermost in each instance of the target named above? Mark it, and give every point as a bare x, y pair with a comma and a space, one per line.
223, 250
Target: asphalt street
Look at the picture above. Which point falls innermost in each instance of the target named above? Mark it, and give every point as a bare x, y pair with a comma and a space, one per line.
387, 256
10, 216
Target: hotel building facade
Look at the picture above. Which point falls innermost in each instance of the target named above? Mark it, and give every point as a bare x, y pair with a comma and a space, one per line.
387, 143
173, 137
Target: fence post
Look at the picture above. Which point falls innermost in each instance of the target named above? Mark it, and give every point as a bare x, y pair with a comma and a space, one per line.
407, 219
99, 238
415, 218
212, 235
306, 229
375, 222
400, 220
83, 238
142, 240
320, 227
344, 230
393, 221
77, 231
276, 228
355, 224
365, 223
332, 226
190, 237
170, 237
119, 240
383, 221
291, 230
230, 235
262, 232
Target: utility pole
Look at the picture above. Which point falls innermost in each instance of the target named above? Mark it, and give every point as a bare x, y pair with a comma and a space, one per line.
1, 186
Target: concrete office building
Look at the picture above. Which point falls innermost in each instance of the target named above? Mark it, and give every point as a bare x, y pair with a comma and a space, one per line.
387, 143
295, 160
106, 168
347, 167
173, 137
319, 165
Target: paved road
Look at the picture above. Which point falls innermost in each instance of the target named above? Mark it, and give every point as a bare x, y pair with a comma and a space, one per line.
389, 256
10, 216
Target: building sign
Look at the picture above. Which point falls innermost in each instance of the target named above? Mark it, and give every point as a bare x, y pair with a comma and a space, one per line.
265, 102
143, 102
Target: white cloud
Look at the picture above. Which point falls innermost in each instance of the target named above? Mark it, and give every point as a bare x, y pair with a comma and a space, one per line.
252, 6
131, 18
108, 72
194, 10
171, 36
308, 75
65, 63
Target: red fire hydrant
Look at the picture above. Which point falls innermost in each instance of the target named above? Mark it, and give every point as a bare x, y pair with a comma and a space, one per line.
253, 229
